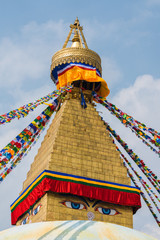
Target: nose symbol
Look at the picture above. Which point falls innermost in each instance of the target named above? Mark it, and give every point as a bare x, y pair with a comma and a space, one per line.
90, 216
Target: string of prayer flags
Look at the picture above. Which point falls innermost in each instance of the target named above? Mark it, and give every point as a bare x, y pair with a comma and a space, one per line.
15, 150
144, 184
144, 198
140, 163
138, 128
24, 151
16, 159
145, 142
125, 116
24, 110
136, 173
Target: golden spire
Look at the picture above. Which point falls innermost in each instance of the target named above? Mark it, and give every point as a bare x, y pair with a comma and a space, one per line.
78, 52
78, 31
76, 40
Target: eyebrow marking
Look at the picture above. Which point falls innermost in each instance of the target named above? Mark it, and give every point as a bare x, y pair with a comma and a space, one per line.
96, 202
81, 198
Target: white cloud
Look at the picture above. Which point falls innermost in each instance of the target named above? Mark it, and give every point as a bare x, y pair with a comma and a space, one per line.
19, 63
141, 100
28, 56
25, 62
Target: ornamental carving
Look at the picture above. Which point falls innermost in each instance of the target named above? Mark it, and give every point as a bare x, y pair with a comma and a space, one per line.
82, 55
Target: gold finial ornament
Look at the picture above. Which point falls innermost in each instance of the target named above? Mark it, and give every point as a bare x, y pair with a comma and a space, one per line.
78, 52
78, 63
76, 23
76, 40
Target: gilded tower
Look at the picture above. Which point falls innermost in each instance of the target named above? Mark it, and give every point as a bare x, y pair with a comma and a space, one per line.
77, 173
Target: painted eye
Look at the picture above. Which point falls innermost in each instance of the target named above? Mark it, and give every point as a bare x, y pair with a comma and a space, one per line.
74, 205
107, 211
25, 220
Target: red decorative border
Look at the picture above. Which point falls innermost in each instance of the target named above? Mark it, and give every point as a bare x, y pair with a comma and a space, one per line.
60, 186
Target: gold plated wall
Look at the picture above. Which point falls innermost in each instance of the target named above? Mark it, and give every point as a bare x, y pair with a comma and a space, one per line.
77, 143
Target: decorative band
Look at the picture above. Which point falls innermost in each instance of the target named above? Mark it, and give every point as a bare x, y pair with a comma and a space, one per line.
67, 183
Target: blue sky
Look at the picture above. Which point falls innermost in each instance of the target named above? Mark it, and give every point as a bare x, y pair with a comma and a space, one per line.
131, 29
124, 33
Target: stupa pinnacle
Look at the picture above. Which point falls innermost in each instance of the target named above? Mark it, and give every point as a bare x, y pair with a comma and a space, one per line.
77, 173
78, 53
78, 35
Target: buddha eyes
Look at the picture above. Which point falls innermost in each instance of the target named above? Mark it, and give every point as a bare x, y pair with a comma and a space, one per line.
80, 206
107, 211
74, 205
